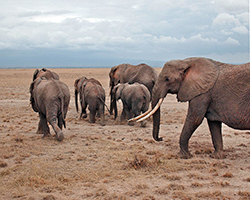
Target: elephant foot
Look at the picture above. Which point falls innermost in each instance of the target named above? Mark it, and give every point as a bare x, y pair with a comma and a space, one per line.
59, 136
102, 123
131, 123
46, 135
158, 139
42, 132
143, 123
218, 155
39, 132
184, 154
83, 115
91, 121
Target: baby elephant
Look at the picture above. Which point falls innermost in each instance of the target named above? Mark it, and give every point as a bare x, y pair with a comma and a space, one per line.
135, 98
92, 95
50, 98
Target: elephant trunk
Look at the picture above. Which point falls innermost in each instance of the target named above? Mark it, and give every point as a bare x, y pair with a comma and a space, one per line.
76, 99
157, 115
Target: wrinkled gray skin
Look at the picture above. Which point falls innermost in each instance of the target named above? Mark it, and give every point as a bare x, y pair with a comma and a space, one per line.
92, 95
135, 98
126, 73
217, 91
50, 98
45, 73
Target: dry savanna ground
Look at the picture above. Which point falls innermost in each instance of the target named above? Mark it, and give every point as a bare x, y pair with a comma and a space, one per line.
115, 161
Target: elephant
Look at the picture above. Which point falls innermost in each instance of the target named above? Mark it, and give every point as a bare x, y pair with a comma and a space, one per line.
45, 73
135, 98
126, 73
92, 95
216, 91
50, 98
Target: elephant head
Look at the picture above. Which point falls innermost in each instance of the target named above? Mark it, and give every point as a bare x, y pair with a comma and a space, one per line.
115, 75
187, 78
45, 73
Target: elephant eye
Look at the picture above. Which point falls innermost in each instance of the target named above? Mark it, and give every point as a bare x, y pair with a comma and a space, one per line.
166, 79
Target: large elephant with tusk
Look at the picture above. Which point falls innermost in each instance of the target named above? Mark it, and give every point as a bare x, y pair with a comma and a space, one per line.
217, 91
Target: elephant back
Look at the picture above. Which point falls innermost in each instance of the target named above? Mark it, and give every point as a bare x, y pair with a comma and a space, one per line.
144, 74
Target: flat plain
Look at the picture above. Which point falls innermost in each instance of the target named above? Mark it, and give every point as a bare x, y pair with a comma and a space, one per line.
116, 161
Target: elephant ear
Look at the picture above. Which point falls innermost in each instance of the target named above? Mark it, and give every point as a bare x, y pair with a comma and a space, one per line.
117, 91
32, 100
199, 77
35, 74
76, 84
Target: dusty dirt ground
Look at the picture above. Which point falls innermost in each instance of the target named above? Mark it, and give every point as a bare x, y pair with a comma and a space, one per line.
115, 161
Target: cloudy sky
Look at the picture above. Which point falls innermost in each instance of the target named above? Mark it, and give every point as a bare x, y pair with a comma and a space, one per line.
80, 33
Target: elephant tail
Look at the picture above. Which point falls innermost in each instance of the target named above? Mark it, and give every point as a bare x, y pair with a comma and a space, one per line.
76, 99
61, 113
104, 103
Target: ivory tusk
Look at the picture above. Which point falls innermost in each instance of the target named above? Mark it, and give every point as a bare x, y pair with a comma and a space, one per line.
152, 111
140, 116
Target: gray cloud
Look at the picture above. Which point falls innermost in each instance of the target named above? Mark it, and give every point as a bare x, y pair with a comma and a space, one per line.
153, 31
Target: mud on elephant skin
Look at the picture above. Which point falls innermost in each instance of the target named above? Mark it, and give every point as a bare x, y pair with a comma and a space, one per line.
92, 95
126, 73
217, 91
50, 98
45, 73
135, 98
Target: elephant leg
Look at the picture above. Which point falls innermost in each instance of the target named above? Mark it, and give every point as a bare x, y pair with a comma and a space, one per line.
101, 113
196, 113
123, 115
92, 116
136, 110
84, 106
60, 121
215, 130
52, 119
43, 127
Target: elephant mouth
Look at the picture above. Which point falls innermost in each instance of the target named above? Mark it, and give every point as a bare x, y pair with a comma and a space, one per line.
148, 113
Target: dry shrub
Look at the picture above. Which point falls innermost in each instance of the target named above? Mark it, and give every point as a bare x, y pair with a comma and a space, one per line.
181, 196
3, 164
171, 178
196, 185
248, 179
162, 191
195, 176
203, 151
209, 195
175, 187
149, 198
134, 193
49, 197
228, 175
142, 161
244, 194
142, 187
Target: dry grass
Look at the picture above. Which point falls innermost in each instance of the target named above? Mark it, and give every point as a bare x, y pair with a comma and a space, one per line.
111, 162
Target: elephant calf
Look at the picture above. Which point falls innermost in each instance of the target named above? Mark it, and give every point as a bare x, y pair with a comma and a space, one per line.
50, 98
135, 98
92, 95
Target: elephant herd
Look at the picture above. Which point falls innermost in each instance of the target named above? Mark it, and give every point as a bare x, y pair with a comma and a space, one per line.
216, 91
